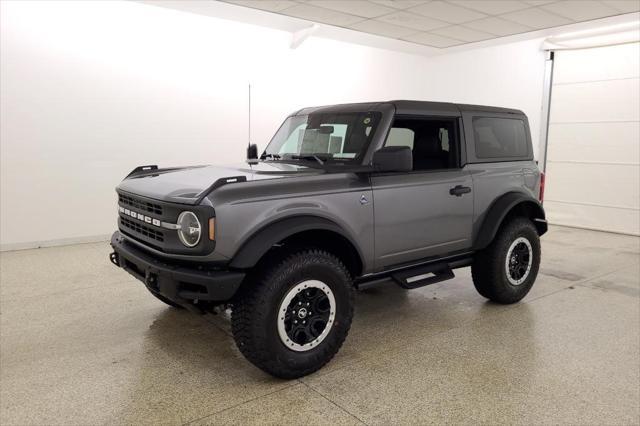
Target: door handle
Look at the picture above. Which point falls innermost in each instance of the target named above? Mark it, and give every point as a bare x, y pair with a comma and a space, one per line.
458, 190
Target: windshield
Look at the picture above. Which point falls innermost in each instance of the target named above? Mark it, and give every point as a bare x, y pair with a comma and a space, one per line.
332, 137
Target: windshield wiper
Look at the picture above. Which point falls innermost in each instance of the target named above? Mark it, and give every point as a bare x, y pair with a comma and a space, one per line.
309, 157
270, 156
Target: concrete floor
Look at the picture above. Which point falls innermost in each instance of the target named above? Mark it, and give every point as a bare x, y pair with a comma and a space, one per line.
83, 343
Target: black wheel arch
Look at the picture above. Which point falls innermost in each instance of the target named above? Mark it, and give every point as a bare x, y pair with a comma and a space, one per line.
302, 230
506, 206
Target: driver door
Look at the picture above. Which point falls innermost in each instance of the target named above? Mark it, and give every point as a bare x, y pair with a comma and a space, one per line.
428, 211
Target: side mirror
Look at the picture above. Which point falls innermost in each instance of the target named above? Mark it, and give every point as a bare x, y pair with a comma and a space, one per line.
252, 154
393, 159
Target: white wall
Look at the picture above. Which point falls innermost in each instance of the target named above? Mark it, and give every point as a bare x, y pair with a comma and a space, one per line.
89, 90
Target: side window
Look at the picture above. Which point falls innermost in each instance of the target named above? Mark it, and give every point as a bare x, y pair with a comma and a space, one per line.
499, 137
433, 141
399, 136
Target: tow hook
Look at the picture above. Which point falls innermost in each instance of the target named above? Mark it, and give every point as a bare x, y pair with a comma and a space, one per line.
113, 257
151, 281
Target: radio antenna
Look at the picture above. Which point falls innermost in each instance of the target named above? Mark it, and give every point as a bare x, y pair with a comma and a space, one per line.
252, 150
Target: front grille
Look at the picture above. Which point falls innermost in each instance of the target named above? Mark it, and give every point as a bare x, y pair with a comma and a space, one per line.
147, 221
141, 229
139, 204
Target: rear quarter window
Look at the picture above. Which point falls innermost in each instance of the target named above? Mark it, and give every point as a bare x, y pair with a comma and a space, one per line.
500, 137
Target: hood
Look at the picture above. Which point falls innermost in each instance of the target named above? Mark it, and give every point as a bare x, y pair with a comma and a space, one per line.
190, 184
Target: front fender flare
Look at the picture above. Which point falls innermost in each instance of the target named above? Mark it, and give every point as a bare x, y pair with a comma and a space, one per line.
260, 242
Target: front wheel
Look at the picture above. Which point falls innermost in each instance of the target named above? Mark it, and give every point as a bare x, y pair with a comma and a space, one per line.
294, 319
505, 271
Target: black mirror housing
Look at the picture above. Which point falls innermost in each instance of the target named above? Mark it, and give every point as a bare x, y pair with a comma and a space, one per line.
393, 159
252, 153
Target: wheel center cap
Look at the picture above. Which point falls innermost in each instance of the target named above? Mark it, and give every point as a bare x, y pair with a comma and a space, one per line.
302, 313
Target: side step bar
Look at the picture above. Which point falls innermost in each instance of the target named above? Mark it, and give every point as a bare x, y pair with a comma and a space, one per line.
423, 276
416, 276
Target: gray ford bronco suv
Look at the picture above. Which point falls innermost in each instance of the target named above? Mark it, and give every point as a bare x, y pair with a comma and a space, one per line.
342, 197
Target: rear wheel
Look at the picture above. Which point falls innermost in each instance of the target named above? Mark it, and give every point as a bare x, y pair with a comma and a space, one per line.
505, 271
294, 318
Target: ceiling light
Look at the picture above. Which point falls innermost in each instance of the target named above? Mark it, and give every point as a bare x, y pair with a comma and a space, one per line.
628, 32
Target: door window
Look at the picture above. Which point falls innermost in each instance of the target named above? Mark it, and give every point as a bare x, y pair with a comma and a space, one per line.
433, 141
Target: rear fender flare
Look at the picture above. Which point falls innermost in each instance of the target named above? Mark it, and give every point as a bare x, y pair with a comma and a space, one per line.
500, 209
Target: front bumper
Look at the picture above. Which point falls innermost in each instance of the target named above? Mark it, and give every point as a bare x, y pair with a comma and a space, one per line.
180, 284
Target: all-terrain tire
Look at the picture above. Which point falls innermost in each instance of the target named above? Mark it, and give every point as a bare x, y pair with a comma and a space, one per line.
256, 311
166, 301
490, 269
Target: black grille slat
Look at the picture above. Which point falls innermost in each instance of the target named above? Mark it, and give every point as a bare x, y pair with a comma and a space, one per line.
142, 229
139, 204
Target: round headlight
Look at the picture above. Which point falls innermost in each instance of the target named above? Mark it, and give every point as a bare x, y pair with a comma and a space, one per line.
189, 229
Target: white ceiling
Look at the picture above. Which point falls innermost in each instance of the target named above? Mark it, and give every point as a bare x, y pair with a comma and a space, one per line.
444, 24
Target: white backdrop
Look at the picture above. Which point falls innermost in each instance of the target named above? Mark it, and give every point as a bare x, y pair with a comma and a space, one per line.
89, 90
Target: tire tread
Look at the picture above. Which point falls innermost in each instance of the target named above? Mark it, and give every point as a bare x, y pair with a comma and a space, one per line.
252, 309
487, 268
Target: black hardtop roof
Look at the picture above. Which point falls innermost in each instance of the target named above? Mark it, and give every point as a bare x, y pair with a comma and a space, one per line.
409, 107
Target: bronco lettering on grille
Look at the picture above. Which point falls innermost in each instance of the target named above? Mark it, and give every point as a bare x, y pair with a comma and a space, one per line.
139, 216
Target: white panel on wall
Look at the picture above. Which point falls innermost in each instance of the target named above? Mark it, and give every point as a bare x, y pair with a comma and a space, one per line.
588, 216
585, 142
596, 101
593, 162
613, 62
602, 184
